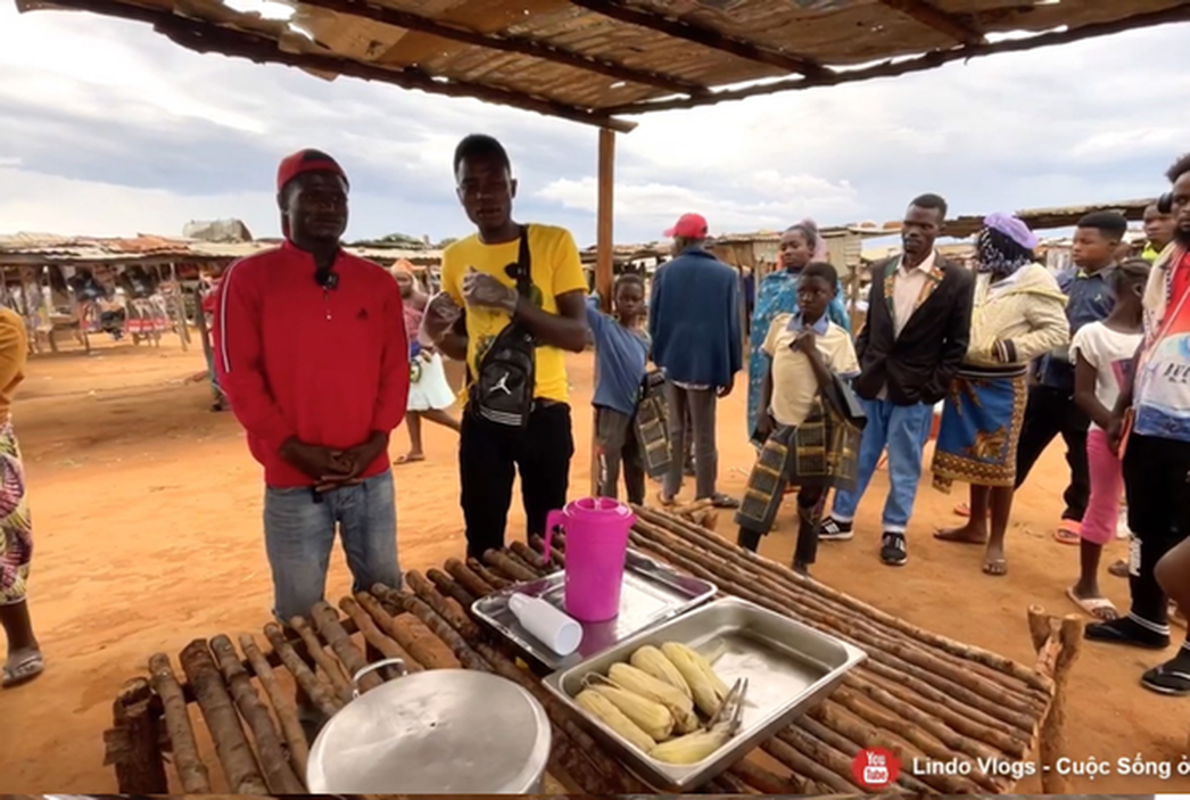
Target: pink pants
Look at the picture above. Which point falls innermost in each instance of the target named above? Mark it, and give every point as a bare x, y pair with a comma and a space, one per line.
1107, 484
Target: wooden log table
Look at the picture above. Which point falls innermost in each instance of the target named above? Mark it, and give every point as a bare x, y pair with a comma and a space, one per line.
919, 695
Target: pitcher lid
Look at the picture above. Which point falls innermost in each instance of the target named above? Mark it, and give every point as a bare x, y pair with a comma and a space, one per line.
441, 731
602, 507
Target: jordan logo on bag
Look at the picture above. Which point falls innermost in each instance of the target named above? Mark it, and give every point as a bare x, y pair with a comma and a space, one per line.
502, 385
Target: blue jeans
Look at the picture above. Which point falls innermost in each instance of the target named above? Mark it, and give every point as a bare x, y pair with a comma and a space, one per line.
904, 430
299, 534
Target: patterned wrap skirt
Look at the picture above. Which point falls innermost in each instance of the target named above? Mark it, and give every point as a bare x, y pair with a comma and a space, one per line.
16, 528
981, 425
822, 452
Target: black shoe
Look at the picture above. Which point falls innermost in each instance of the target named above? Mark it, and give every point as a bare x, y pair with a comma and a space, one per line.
831, 530
1126, 631
893, 551
1170, 679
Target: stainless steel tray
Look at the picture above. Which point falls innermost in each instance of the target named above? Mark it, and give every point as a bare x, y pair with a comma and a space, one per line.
790, 667
651, 593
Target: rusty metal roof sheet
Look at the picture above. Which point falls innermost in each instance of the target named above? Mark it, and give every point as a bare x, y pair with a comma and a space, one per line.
593, 60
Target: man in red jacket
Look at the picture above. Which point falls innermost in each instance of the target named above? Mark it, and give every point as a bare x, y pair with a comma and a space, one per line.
310, 348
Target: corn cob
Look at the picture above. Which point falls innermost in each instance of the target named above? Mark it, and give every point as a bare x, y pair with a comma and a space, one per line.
602, 709
640, 682
708, 690
651, 661
691, 748
650, 716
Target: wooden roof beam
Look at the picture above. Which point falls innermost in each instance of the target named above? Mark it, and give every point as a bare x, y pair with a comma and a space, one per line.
707, 37
207, 37
509, 44
931, 16
922, 63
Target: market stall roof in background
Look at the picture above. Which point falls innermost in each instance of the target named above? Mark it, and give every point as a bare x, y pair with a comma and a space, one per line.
43, 248
593, 61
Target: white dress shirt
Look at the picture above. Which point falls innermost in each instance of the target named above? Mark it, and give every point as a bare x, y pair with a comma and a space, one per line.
908, 283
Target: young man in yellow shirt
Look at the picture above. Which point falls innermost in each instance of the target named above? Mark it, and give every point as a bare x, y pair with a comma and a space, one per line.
479, 300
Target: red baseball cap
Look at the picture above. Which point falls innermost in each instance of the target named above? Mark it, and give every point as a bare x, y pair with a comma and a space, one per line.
689, 226
303, 161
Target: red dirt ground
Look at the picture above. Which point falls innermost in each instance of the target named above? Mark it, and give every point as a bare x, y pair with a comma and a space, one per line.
147, 510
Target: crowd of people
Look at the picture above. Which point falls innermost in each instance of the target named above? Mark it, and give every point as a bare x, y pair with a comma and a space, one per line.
322, 355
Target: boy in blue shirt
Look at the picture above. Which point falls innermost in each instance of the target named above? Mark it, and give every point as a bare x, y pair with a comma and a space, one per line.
622, 354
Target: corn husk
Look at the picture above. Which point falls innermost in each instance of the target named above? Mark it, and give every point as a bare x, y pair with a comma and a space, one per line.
652, 661
606, 712
681, 707
706, 687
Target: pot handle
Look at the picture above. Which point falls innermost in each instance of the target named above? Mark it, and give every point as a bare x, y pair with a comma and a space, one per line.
399, 663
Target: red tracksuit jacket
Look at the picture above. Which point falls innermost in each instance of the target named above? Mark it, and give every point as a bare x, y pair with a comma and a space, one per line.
329, 366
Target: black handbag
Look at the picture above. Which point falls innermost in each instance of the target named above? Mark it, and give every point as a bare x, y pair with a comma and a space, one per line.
502, 392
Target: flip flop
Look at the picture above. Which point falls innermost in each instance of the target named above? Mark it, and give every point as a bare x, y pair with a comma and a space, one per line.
23, 671
1118, 569
962, 510
995, 567
1067, 532
1090, 605
1166, 679
409, 459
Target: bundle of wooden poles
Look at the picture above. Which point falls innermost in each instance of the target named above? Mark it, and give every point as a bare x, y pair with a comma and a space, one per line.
918, 694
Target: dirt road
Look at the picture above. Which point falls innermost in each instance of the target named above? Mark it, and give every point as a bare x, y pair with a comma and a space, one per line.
147, 522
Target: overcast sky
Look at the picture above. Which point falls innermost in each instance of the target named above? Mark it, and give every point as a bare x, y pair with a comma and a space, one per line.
108, 128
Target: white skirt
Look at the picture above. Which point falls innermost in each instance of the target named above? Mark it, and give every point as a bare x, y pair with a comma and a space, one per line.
431, 392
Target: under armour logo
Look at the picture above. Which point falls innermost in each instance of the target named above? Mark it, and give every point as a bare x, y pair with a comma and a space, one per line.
502, 385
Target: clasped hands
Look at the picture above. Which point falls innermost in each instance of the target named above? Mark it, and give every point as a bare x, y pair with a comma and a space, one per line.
332, 468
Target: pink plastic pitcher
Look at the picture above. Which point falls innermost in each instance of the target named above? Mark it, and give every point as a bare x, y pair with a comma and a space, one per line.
596, 531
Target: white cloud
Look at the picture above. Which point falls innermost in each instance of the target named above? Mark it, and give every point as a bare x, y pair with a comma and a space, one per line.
110, 128
764, 199
34, 202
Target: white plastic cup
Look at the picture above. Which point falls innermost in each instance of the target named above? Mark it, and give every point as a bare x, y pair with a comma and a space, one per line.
557, 631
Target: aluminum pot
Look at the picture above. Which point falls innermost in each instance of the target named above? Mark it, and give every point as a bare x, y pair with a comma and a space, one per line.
446, 731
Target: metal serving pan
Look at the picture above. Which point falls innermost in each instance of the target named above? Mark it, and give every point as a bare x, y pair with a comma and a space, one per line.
790, 668
651, 592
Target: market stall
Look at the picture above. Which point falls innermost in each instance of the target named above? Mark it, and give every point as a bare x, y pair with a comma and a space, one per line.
915, 694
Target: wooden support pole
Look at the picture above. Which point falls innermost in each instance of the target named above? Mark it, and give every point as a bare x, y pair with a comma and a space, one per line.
1057, 642
192, 772
605, 245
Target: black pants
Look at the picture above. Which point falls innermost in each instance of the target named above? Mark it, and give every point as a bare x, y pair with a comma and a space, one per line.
1049, 413
618, 446
490, 456
1155, 472
809, 506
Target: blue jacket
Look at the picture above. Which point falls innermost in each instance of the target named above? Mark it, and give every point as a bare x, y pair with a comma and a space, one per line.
694, 320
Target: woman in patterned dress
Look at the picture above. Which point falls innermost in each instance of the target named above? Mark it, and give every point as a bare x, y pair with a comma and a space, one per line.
16, 532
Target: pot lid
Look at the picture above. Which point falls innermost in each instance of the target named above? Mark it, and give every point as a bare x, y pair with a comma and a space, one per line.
440, 731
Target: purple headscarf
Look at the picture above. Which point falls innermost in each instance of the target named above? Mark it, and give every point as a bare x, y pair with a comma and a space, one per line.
1004, 245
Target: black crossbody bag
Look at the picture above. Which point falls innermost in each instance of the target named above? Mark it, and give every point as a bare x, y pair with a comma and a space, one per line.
502, 392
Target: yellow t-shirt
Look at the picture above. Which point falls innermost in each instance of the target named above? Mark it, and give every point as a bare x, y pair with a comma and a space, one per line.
555, 268
794, 382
